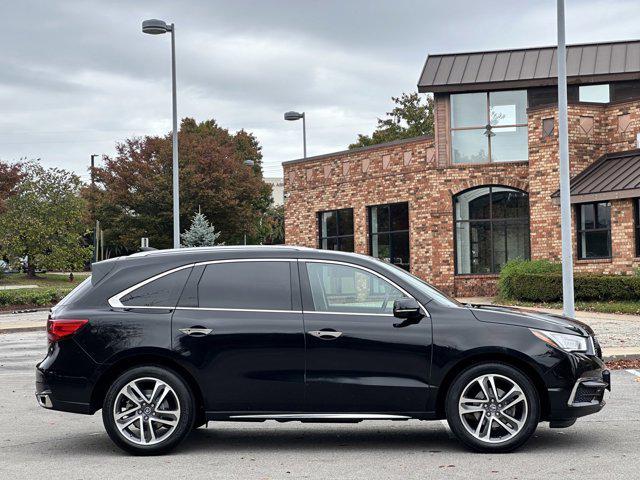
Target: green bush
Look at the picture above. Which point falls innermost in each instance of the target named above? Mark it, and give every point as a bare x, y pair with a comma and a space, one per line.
541, 281
32, 297
509, 284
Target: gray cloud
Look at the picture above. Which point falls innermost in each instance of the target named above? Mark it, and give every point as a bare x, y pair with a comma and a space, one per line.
77, 76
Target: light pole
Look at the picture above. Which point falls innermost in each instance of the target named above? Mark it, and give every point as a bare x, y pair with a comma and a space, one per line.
250, 164
293, 116
565, 195
93, 208
158, 27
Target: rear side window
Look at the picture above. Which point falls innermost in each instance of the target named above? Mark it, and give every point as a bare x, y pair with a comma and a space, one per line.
162, 292
246, 285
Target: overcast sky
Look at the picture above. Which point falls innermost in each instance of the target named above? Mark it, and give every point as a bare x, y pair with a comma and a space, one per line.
78, 76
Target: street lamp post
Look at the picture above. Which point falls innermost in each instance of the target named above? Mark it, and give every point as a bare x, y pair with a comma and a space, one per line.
93, 207
158, 27
293, 116
565, 198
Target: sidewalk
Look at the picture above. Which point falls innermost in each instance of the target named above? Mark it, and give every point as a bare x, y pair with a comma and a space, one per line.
619, 335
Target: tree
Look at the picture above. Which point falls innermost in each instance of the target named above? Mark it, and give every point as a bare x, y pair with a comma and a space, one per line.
272, 227
10, 175
133, 194
200, 234
43, 222
411, 117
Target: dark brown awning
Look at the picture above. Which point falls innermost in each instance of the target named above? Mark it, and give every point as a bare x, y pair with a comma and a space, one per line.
613, 176
529, 67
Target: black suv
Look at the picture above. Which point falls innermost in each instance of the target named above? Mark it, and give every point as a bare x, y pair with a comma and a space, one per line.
165, 341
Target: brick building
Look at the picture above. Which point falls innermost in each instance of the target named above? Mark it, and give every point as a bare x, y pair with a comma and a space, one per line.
453, 208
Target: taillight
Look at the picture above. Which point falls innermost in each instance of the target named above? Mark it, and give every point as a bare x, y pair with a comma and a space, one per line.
60, 328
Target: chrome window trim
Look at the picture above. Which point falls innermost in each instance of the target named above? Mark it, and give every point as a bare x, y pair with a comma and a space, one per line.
379, 275
327, 416
115, 301
216, 309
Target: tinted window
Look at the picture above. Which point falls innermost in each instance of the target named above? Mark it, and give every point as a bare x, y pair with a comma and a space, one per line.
340, 288
336, 230
492, 227
162, 292
77, 292
246, 285
389, 233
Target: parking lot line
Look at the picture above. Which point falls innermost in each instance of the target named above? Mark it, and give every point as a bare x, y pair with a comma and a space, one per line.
634, 372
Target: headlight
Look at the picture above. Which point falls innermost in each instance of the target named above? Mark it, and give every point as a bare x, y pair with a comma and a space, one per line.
563, 341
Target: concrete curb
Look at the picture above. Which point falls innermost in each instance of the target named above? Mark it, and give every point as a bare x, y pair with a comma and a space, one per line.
623, 356
26, 328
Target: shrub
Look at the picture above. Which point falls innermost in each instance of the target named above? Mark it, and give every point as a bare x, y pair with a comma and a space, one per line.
510, 284
543, 283
32, 297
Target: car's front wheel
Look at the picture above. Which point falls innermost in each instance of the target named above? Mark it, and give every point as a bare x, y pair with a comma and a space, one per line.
493, 407
148, 410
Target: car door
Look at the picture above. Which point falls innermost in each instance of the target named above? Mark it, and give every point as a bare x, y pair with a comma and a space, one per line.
239, 324
359, 357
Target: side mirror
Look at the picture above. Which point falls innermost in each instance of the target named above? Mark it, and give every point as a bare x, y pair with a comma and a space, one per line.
407, 308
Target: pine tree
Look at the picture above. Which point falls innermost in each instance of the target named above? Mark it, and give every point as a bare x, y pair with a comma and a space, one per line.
201, 233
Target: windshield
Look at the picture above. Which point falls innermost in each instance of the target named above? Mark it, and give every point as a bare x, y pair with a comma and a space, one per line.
421, 285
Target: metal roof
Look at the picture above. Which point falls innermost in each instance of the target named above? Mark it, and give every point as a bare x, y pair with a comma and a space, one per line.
613, 176
526, 67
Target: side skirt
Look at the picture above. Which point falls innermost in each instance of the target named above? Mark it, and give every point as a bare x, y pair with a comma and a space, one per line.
315, 417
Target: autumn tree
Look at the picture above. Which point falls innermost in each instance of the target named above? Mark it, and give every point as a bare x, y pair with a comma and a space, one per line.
43, 221
10, 175
133, 193
412, 116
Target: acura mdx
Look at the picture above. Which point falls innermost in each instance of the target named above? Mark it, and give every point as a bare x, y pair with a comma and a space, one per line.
165, 341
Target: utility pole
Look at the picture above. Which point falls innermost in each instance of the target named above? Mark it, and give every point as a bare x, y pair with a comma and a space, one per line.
93, 209
565, 192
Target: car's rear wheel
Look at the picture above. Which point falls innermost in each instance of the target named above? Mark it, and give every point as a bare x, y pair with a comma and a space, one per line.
148, 410
493, 407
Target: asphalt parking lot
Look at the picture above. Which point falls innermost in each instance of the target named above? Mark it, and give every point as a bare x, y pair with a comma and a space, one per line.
36, 443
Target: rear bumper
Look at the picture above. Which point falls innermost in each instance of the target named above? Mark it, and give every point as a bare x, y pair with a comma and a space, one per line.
63, 379
57, 393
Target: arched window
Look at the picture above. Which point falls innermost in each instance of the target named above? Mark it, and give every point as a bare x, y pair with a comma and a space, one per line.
491, 228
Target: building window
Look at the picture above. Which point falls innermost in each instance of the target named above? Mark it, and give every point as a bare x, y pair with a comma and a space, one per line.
637, 226
594, 230
489, 127
336, 230
491, 228
389, 233
594, 93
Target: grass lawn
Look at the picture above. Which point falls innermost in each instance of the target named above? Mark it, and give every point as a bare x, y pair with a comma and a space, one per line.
628, 307
42, 280
51, 289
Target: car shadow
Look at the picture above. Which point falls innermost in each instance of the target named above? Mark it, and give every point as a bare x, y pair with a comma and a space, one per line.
241, 438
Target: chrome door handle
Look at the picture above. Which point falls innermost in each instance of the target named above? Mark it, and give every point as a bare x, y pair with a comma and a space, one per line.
325, 334
196, 331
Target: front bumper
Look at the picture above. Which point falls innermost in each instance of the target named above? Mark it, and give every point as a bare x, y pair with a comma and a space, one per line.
584, 395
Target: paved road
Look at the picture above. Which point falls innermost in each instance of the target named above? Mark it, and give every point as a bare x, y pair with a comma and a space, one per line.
36, 443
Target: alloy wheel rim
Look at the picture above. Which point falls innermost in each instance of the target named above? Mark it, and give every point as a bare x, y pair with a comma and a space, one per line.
146, 411
493, 408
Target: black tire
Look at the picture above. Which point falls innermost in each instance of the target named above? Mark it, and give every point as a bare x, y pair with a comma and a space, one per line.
183, 397
530, 417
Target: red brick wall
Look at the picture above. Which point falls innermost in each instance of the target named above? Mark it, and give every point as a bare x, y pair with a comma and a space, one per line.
409, 171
